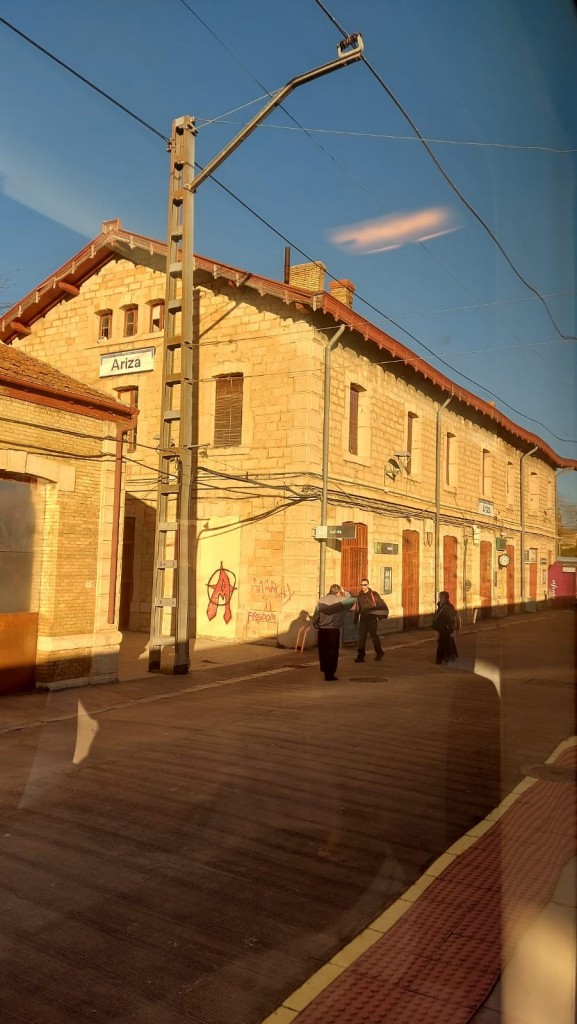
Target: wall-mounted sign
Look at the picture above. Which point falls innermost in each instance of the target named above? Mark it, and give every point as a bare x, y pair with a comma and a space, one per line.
139, 360
485, 508
343, 530
385, 548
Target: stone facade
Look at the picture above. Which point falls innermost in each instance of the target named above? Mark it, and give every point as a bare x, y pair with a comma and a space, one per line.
427, 519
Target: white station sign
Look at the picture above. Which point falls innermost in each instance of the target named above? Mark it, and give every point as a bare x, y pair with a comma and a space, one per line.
137, 361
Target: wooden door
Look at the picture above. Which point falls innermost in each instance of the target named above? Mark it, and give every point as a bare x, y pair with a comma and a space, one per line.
18, 641
485, 581
127, 577
450, 568
533, 580
410, 585
511, 580
354, 559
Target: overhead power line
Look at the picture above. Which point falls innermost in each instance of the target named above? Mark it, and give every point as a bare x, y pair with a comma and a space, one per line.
223, 119
451, 183
292, 244
82, 78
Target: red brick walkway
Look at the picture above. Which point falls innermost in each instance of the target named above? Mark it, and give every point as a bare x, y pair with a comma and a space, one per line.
442, 956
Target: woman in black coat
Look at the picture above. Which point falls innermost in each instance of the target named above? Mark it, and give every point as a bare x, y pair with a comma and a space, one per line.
445, 623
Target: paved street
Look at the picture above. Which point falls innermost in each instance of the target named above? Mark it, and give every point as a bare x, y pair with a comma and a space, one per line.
191, 849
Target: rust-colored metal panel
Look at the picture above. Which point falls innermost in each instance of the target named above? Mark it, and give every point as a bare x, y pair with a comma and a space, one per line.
18, 640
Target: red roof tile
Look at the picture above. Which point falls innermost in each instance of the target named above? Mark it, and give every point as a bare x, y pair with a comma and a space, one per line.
30, 376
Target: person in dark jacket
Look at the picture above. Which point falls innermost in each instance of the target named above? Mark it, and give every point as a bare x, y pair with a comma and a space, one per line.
445, 623
369, 607
328, 619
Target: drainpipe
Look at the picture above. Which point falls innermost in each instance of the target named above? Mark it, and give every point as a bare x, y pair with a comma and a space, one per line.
438, 496
522, 518
325, 469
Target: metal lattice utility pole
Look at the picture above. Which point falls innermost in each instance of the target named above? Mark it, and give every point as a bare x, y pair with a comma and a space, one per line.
171, 582
178, 450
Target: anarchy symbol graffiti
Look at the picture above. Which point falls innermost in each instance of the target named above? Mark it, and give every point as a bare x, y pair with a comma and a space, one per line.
220, 588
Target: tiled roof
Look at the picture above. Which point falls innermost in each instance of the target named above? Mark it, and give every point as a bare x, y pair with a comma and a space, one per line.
30, 376
115, 243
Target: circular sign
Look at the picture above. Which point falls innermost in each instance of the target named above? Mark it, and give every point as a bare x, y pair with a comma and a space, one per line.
503, 560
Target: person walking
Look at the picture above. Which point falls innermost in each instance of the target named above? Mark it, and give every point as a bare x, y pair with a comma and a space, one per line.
328, 620
445, 622
369, 607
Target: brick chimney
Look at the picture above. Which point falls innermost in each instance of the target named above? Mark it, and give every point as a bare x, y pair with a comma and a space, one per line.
343, 291
310, 276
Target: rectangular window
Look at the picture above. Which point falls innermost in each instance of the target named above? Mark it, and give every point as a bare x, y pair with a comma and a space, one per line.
533, 492
486, 474
130, 321
354, 391
157, 316
509, 484
451, 460
104, 324
413, 445
228, 410
130, 397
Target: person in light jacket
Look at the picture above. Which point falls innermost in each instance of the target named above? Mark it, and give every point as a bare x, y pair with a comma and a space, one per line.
328, 619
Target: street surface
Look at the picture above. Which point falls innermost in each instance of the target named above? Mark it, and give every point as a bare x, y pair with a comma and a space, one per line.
188, 850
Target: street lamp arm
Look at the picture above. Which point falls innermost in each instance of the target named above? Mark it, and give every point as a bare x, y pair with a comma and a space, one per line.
349, 51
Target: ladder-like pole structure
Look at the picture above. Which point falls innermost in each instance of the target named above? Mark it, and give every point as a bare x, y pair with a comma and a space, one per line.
178, 450
171, 582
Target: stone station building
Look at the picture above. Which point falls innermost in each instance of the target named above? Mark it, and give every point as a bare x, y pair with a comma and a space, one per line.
429, 487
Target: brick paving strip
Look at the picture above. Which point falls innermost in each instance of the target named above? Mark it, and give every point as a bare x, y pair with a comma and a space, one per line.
434, 955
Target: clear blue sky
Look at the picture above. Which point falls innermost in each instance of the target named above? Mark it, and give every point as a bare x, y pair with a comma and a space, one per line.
492, 85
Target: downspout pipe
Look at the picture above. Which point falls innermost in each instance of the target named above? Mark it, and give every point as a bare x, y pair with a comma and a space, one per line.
438, 497
522, 519
325, 465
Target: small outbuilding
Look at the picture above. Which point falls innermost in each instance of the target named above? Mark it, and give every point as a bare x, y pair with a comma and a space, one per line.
61, 506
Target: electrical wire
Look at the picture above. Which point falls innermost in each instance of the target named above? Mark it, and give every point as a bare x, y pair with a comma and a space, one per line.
298, 125
309, 258
341, 166
450, 182
82, 78
206, 122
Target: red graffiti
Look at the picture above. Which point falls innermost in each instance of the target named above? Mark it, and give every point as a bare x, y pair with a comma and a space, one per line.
220, 588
